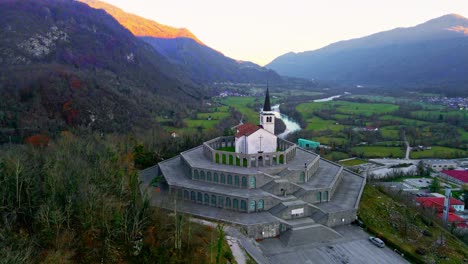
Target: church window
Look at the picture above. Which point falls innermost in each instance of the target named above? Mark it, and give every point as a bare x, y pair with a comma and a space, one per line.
192, 195
236, 180
252, 182
243, 205
213, 200
195, 174
200, 197
302, 177
208, 176
235, 203
244, 182
260, 205
229, 179
325, 196
186, 194
202, 175
220, 201
215, 177
228, 202
207, 199
252, 206
223, 179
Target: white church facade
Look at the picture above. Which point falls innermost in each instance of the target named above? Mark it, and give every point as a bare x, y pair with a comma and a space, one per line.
265, 186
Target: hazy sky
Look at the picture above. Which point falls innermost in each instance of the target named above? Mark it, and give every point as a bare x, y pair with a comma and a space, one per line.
261, 30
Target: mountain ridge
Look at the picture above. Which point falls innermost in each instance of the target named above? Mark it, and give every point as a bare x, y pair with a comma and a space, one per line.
64, 64
405, 56
202, 63
146, 27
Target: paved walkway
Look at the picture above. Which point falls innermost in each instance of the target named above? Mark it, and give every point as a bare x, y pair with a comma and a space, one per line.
250, 245
236, 238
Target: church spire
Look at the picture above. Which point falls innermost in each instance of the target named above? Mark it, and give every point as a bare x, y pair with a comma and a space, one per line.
266, 105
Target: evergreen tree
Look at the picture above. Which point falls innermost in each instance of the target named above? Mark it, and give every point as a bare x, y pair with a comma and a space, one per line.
435, 185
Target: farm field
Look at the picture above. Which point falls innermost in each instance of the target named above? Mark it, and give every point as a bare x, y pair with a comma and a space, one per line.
339, 122
378, 152
438, 152
423, 124
347, 108
241, 105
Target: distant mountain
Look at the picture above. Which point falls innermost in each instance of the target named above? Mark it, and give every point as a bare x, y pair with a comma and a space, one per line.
180, 46
432, 53
64, 64
141, 27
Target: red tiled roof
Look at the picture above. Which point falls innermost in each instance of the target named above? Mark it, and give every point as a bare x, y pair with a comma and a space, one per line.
457, 174
246, 129
437, 202
452, 217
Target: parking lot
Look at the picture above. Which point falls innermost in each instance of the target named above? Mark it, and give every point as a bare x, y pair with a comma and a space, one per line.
419, 183
354, 247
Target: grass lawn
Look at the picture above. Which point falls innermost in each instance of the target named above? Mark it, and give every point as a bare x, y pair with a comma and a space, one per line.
352, 162
347, 108
378, 152
434, 115
404, 121
336, 156
214, 115
240, 104
318, 124
375, 98
439, 152
230, 149
390, 132
329, 140
402, 226
200, 123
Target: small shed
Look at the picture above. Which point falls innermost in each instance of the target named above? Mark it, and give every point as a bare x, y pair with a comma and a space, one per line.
308, 144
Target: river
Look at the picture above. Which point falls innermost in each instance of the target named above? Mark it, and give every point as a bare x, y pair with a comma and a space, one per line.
327, 99
291, 125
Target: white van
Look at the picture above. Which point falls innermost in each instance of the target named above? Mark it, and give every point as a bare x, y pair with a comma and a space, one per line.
377, 241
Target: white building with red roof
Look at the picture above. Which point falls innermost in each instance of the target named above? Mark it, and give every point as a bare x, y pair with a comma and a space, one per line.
459, 176
438, 203
252, 139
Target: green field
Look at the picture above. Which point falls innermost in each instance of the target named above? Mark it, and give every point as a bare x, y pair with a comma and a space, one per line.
240, 104
404, 121
378, 152
330, 140
438, 152
353, 162
318, 124
336, 156
346, 108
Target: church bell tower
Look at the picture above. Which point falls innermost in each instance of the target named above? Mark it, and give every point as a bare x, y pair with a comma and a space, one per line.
267, 117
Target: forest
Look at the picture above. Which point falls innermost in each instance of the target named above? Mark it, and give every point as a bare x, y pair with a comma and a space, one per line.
76, 199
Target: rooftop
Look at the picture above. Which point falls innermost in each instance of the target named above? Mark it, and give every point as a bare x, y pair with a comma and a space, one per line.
437, 202
457, 174
247, 129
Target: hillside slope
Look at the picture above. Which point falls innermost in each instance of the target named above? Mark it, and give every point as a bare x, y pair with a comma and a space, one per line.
432, 53
180, 46
63, 63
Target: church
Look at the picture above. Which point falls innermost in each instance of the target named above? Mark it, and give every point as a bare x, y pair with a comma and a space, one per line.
267, 186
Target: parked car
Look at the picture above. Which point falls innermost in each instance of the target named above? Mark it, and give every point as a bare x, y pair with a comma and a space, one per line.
377, 241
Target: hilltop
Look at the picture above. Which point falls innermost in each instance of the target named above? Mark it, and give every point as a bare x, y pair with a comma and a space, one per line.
202, 63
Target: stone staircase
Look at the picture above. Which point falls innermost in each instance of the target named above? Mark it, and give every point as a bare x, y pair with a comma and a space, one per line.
307, 233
